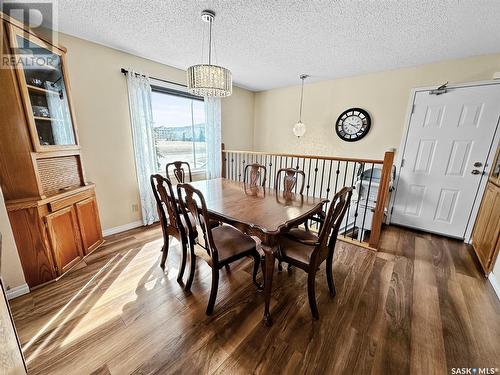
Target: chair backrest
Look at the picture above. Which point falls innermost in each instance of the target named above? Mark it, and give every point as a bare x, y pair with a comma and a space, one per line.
165, 199
192, 200
290, 179
330, 228
255, 174
179, 171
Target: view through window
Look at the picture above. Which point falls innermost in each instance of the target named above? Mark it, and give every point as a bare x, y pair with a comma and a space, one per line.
178, 128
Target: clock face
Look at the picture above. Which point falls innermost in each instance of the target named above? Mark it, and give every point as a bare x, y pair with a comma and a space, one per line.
353, 124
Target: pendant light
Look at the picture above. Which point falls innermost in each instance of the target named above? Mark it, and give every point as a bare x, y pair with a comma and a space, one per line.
299, 129
207, 79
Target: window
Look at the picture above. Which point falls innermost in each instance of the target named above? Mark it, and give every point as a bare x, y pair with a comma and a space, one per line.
178, 128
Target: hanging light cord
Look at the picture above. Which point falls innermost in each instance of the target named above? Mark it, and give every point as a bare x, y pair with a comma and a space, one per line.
210, 43
301, 97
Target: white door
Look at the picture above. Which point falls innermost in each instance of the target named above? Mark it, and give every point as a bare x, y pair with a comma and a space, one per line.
447, 146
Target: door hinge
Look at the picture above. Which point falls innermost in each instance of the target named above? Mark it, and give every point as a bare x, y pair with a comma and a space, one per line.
440, 90
413, 109
392, 209
402, 163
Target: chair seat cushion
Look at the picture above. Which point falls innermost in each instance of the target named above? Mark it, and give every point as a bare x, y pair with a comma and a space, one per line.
231, 242
301, 234
295, 250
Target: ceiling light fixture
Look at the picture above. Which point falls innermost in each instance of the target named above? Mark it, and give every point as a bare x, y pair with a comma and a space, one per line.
299, 129
207, 79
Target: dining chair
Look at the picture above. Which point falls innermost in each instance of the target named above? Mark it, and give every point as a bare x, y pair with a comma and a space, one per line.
172, 222
290, 180
224, 244
306, 251
178, 171
255, 174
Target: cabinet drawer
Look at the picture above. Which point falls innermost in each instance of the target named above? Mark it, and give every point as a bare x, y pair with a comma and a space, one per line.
69, 201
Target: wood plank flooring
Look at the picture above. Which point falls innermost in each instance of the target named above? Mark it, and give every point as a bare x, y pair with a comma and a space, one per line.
418, 306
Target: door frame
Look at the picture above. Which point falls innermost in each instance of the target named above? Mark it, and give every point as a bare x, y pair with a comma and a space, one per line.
486, 168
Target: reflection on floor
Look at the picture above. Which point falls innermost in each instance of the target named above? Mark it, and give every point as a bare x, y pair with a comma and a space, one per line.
420, 305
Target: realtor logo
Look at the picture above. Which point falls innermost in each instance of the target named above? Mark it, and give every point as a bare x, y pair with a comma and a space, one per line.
40, 17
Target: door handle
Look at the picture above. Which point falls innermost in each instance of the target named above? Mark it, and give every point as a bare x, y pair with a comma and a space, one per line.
475, 171
478, 164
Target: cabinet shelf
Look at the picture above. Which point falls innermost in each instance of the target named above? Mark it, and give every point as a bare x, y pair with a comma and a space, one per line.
42, 90
41, 118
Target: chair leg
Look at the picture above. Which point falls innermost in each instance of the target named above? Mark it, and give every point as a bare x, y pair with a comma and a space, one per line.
311, 294
213, 291
329, 275
183, 260
164, 251
263, 267
192, 268
306, 225
256, 264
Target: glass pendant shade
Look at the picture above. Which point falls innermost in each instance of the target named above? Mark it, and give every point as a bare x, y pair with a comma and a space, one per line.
299, 129
209, 81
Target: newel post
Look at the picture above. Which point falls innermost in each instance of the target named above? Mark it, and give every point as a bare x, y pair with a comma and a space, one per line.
383, 193
223, 161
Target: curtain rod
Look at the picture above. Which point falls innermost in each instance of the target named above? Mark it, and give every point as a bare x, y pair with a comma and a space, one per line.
125, 72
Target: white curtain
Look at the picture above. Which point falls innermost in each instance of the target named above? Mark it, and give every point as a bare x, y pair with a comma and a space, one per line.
213, 137
62, 128
141, 118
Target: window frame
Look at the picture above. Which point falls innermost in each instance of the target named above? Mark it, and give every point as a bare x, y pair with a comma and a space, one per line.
178, 90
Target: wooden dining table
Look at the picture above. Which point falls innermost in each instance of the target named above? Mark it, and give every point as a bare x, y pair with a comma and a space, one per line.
258, 211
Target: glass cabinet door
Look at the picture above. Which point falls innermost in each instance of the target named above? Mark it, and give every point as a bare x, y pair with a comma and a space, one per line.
42, 70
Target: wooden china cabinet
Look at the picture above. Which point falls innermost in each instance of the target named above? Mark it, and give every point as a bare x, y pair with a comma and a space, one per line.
486, 232
52, 208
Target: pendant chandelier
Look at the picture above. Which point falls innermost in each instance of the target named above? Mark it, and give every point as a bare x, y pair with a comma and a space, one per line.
299, 129
207, 79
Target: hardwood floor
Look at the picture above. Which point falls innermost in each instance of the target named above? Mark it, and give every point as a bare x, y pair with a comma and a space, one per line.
420, 305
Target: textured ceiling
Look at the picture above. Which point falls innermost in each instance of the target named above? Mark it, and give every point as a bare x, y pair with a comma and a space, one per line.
267, 44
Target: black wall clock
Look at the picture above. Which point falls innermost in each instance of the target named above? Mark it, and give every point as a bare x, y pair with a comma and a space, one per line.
353, 124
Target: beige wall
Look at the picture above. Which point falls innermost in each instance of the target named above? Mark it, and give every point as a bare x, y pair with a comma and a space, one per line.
238, 120
101, 105
11, 272
384, 95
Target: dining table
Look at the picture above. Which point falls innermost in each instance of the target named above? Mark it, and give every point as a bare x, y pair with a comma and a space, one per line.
263, 212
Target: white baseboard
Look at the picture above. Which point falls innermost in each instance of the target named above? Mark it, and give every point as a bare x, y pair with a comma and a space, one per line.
494, 283
17, 291
122, 228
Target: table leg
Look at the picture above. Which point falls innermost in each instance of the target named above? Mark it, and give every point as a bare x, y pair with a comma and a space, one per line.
268, 283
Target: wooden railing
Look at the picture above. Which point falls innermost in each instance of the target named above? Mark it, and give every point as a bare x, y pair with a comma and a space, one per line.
324, 176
